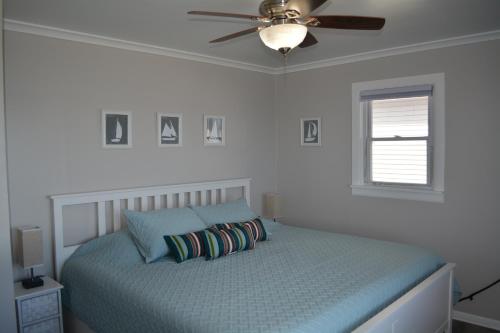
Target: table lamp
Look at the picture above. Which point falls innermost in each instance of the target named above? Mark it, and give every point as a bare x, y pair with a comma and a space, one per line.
31, 253
272, 206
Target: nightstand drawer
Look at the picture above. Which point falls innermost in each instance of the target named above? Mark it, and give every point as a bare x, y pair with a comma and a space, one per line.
40, 307
47, 326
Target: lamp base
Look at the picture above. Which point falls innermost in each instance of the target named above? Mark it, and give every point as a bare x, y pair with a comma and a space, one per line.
32, 282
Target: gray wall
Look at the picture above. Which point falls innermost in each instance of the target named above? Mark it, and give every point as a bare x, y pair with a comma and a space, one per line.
55, 90
314, 181
7, 314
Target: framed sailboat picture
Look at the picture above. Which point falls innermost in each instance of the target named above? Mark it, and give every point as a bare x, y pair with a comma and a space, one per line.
310, 131
214, 130
169, 130
116, 129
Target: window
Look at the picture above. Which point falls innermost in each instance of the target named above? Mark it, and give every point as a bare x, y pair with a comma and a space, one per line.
398, 138
398, 143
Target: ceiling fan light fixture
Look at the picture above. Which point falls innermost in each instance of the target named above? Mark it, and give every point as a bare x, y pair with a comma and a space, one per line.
283, 36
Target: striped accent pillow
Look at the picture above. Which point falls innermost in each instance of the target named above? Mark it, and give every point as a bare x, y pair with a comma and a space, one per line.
187, 246
220, 243
255, 225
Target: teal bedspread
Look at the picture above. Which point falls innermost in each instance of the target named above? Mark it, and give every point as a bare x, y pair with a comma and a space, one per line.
300, 281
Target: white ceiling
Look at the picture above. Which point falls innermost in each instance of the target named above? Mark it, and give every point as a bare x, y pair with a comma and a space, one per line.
165, 23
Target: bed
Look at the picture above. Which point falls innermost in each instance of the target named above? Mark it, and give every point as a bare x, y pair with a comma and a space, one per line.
300, 281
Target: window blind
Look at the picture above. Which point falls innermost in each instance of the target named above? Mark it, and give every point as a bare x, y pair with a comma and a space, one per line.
399, 162
402, 117
399, 92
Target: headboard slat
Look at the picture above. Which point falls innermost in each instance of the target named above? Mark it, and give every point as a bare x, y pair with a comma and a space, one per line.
116, 215
203, 198
101, 218
157, 202
181, 200
59, 255
170, 200
144, 204
213, 196
160, 195
131, 203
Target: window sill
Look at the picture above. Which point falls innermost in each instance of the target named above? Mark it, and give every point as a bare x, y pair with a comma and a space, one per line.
398, 193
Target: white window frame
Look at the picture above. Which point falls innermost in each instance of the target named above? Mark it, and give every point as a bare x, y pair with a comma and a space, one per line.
434, 192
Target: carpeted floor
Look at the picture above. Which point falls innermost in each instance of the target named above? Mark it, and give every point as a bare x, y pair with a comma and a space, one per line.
461, 327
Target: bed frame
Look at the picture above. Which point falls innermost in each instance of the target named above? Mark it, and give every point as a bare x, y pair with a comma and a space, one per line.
427, 308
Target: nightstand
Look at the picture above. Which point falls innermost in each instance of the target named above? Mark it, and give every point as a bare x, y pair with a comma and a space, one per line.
39, 310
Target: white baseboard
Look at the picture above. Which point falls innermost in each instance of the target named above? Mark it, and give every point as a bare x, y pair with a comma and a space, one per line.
476, 320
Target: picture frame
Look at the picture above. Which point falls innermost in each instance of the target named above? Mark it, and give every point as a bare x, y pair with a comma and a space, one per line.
214, 130
116, 129
169, 129
310, 131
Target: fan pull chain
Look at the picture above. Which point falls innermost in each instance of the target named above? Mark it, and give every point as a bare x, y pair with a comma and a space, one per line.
285, 72
285, 65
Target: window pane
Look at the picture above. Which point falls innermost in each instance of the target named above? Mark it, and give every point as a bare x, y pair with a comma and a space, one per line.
404, 117
399, 162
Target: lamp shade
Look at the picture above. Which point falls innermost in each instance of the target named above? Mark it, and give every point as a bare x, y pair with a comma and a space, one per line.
272, 205
283, 36
30, 246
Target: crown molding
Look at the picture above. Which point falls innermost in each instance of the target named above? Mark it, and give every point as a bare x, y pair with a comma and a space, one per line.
418, 47
47, 31
76, 36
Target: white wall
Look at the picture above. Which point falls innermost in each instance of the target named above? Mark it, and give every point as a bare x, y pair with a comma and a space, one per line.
7, 310
55, 90
314, 181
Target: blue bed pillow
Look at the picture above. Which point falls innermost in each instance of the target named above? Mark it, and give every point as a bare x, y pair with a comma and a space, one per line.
148, 229
229, 212
270, 225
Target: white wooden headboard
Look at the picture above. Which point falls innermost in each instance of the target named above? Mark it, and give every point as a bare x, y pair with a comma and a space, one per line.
149, 198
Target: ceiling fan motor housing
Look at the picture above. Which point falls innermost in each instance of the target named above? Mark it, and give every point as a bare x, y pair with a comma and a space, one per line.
278, 9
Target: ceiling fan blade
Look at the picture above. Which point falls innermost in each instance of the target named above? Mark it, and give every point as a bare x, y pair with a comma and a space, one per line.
304, 7
310, 40
236, 34
349, 22
241, 16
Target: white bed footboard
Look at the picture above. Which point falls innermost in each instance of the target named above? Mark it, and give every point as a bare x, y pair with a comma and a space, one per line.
144, 199
427, 308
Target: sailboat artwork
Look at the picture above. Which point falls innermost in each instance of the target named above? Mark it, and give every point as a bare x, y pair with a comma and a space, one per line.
214, 134
118, 132
169, 129
312, 132
214, 130
168, 133
116, 129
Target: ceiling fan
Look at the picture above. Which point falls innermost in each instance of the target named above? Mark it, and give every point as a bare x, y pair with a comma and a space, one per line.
284, 23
